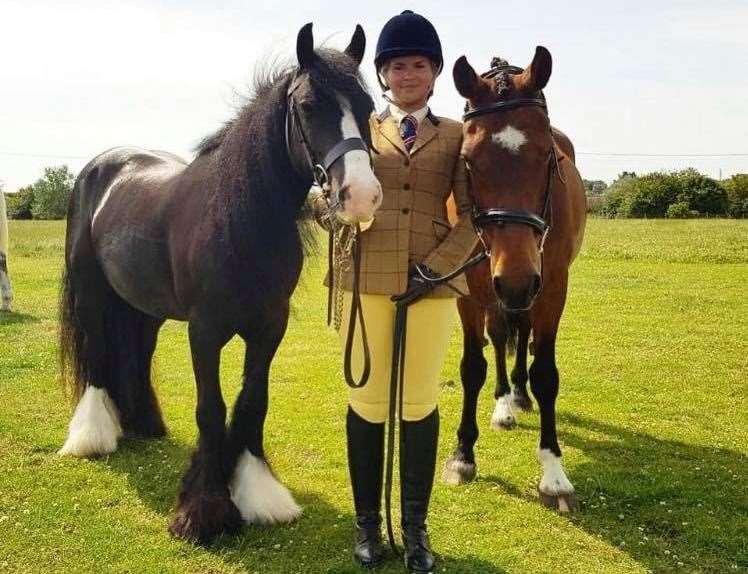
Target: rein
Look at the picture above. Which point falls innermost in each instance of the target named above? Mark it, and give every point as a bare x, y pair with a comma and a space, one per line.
320, 175
397, 376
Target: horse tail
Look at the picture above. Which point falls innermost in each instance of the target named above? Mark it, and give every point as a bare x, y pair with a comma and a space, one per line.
106, 345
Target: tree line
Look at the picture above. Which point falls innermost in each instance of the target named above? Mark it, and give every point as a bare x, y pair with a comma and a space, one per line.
677, 194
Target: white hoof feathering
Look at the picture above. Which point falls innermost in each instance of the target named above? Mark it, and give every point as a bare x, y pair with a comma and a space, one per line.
503, 417
258, 495
554, 481
94, 428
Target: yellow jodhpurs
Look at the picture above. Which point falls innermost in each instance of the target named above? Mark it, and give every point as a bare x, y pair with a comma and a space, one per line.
430, 325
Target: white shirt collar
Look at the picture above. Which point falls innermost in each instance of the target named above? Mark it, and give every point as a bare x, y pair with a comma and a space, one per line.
399, 114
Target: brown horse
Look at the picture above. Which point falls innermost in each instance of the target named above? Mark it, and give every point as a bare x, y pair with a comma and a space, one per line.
530, 215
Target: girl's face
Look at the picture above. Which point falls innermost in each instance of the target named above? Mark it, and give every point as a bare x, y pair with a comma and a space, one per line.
410, 78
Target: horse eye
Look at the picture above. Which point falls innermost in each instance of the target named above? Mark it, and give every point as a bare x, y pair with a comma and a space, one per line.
306, 105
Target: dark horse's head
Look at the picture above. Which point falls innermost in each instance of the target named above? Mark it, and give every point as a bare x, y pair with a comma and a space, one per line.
327, 126
509, 151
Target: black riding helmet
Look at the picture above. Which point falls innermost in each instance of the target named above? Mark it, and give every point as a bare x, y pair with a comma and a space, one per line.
408, 34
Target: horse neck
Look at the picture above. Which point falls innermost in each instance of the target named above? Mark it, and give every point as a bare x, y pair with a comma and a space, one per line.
266, 195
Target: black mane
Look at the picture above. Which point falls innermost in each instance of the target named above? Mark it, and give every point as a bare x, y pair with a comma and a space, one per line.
258, 187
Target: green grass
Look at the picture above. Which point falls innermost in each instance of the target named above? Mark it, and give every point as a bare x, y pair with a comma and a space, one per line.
652, 418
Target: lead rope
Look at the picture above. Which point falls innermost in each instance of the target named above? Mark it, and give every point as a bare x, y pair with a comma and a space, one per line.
397, 378
343, 246
397, 381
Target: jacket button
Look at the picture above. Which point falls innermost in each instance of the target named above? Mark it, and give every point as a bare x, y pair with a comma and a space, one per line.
406, 163
405, 210
406, 186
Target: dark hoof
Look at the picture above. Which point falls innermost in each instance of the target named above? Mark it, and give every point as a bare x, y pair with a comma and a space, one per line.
522, 401
564, 503
200, 518
457, 472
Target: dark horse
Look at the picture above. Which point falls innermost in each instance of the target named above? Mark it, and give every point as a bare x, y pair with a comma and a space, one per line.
215, 243
530, 215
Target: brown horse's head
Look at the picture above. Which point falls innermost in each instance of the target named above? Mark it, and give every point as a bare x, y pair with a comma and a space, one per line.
509, 154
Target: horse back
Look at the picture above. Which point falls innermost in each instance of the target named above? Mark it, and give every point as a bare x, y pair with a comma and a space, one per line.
118, 220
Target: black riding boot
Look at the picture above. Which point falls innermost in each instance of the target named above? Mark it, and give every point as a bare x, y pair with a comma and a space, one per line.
418, 444
365, 463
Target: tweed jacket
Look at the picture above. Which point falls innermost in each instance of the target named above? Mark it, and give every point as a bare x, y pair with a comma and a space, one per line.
411, 225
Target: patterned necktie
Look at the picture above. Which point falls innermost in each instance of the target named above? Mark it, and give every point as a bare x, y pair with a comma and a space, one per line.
408, 131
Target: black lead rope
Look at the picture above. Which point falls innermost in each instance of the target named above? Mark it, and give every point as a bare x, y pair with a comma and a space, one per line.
356, 315
397, 379
357, 312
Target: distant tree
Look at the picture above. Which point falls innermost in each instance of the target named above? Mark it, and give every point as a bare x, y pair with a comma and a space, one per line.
594, 187
684, 193
19, 203
703, 194
680, 210
52, 193
737, 195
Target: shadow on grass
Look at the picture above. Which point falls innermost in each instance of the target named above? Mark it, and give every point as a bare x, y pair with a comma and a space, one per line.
319, 542
13, 318
668, 504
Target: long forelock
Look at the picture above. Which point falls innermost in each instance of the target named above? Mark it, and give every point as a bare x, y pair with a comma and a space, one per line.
333, 74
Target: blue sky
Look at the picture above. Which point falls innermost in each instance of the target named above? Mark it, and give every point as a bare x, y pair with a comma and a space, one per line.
638, 77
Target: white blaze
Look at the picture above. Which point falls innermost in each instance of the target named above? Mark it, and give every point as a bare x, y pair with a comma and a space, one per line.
363, 186
510, 138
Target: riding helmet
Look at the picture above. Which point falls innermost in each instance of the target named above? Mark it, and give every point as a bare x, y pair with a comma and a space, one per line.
408, 34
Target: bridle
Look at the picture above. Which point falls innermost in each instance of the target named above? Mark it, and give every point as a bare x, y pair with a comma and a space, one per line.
319, 169
497, 216
321, 177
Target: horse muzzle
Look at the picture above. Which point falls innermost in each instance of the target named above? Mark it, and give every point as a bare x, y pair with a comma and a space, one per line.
516, 296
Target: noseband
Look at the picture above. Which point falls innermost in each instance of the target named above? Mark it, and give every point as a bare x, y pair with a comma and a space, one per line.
497, 216
318, 168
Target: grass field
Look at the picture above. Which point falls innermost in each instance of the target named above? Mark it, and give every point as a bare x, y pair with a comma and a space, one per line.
653, 419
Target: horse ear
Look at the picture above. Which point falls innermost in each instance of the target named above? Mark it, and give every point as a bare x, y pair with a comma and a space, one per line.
357, 47
305, 46
465, 78
539, 70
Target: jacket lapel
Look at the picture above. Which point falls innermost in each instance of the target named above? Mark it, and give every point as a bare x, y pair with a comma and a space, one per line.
426, 132
389, 129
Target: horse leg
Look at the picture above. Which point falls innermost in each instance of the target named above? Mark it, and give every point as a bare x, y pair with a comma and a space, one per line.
460, 467
6, 293
204, 507
502, 417
555, 489
88, 312
144, 418
255, 490
520, 397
